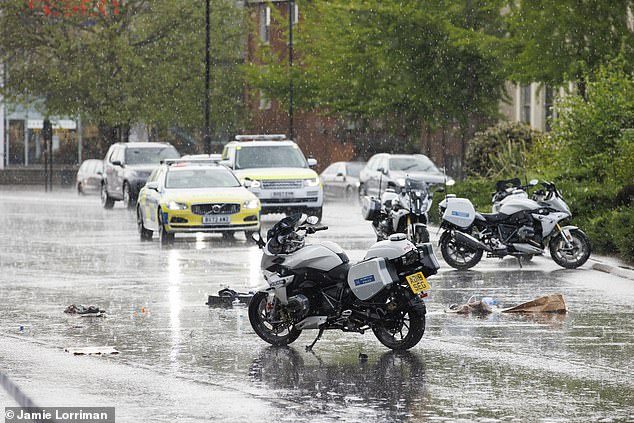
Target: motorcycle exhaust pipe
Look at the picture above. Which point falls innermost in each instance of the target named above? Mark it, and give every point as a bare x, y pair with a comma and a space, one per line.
527, 248
469, 241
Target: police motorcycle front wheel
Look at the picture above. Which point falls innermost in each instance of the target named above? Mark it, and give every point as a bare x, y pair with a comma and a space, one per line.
269, 320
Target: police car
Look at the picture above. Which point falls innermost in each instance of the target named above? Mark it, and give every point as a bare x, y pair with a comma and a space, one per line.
276, 171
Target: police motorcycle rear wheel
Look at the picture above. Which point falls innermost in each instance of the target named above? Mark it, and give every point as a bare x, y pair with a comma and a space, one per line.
458, 256
401, 329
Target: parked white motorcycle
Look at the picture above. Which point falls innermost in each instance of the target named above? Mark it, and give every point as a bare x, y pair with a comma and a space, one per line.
316, 287
522, 227
403, 211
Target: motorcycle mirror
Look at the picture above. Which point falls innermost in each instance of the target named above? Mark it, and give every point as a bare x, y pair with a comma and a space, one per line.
533, 182
257, 238
312, 220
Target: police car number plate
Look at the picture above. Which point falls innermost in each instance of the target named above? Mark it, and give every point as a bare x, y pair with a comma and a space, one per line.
215, 220
283, 194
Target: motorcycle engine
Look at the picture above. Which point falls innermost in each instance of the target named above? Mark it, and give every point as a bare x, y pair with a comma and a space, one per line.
525, 233
299, 306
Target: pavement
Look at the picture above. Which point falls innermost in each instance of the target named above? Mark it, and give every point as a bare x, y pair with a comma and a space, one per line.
612, 266
53, 378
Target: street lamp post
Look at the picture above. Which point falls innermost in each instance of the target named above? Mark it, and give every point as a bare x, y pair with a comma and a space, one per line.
207, 140
291, 10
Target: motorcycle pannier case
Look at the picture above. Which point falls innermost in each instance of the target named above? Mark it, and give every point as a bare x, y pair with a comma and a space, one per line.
369, 277
460, 212
370, 208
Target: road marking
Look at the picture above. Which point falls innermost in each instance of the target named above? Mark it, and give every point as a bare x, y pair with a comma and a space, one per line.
16, 393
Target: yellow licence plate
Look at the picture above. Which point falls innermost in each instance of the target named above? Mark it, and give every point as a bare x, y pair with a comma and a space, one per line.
418, 283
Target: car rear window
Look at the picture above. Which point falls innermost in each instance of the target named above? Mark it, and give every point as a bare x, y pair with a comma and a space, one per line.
149, 155
270, 156
201, 178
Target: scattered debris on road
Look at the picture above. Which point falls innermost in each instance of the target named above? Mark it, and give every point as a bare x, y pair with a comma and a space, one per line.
228, 297
85, 311
552, 303
91, 350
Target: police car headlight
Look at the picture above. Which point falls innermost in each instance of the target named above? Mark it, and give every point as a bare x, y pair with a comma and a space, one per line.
311, 182
173, 205
251, 204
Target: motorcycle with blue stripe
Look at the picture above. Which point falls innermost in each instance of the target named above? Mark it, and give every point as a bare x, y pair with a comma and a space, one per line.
314, 286
520, 227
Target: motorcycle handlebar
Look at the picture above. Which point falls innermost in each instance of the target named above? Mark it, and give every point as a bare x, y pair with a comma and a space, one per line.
313, 229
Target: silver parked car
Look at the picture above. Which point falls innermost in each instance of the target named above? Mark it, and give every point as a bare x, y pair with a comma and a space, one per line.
89, 177
390, 171
341, 180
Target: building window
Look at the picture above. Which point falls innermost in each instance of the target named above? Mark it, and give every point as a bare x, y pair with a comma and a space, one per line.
265, 101
295, 12
548, 105
265, 24
525, 103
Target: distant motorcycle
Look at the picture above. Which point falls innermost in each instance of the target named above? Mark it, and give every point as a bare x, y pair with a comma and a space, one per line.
316, 287
522, 227
402, 212
508, 189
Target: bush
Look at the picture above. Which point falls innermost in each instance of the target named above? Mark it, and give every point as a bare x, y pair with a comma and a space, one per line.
500, 151
592, 138
613, 233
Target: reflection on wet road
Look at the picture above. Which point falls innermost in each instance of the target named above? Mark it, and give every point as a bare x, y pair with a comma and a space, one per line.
59, 249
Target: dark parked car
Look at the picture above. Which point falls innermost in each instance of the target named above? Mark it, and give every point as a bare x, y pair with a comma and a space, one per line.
126, 168
341, 180
89, 177
390, 170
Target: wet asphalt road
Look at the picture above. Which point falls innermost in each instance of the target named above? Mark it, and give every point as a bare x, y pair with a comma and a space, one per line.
181, 360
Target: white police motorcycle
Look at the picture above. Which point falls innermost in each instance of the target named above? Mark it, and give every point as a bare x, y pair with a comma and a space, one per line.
316, 287
521, 227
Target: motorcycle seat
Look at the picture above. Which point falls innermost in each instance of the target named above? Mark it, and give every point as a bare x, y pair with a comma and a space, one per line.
491, 217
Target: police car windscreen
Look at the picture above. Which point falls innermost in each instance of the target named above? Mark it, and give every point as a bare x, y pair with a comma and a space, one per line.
201, 178
269, 156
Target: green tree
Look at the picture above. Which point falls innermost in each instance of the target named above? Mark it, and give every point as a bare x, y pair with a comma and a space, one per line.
142, 61
405, 64
560, 41
591, 137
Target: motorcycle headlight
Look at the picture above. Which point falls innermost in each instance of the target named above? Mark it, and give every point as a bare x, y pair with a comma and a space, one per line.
173, 205
251, 204
313, 182
401, 181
